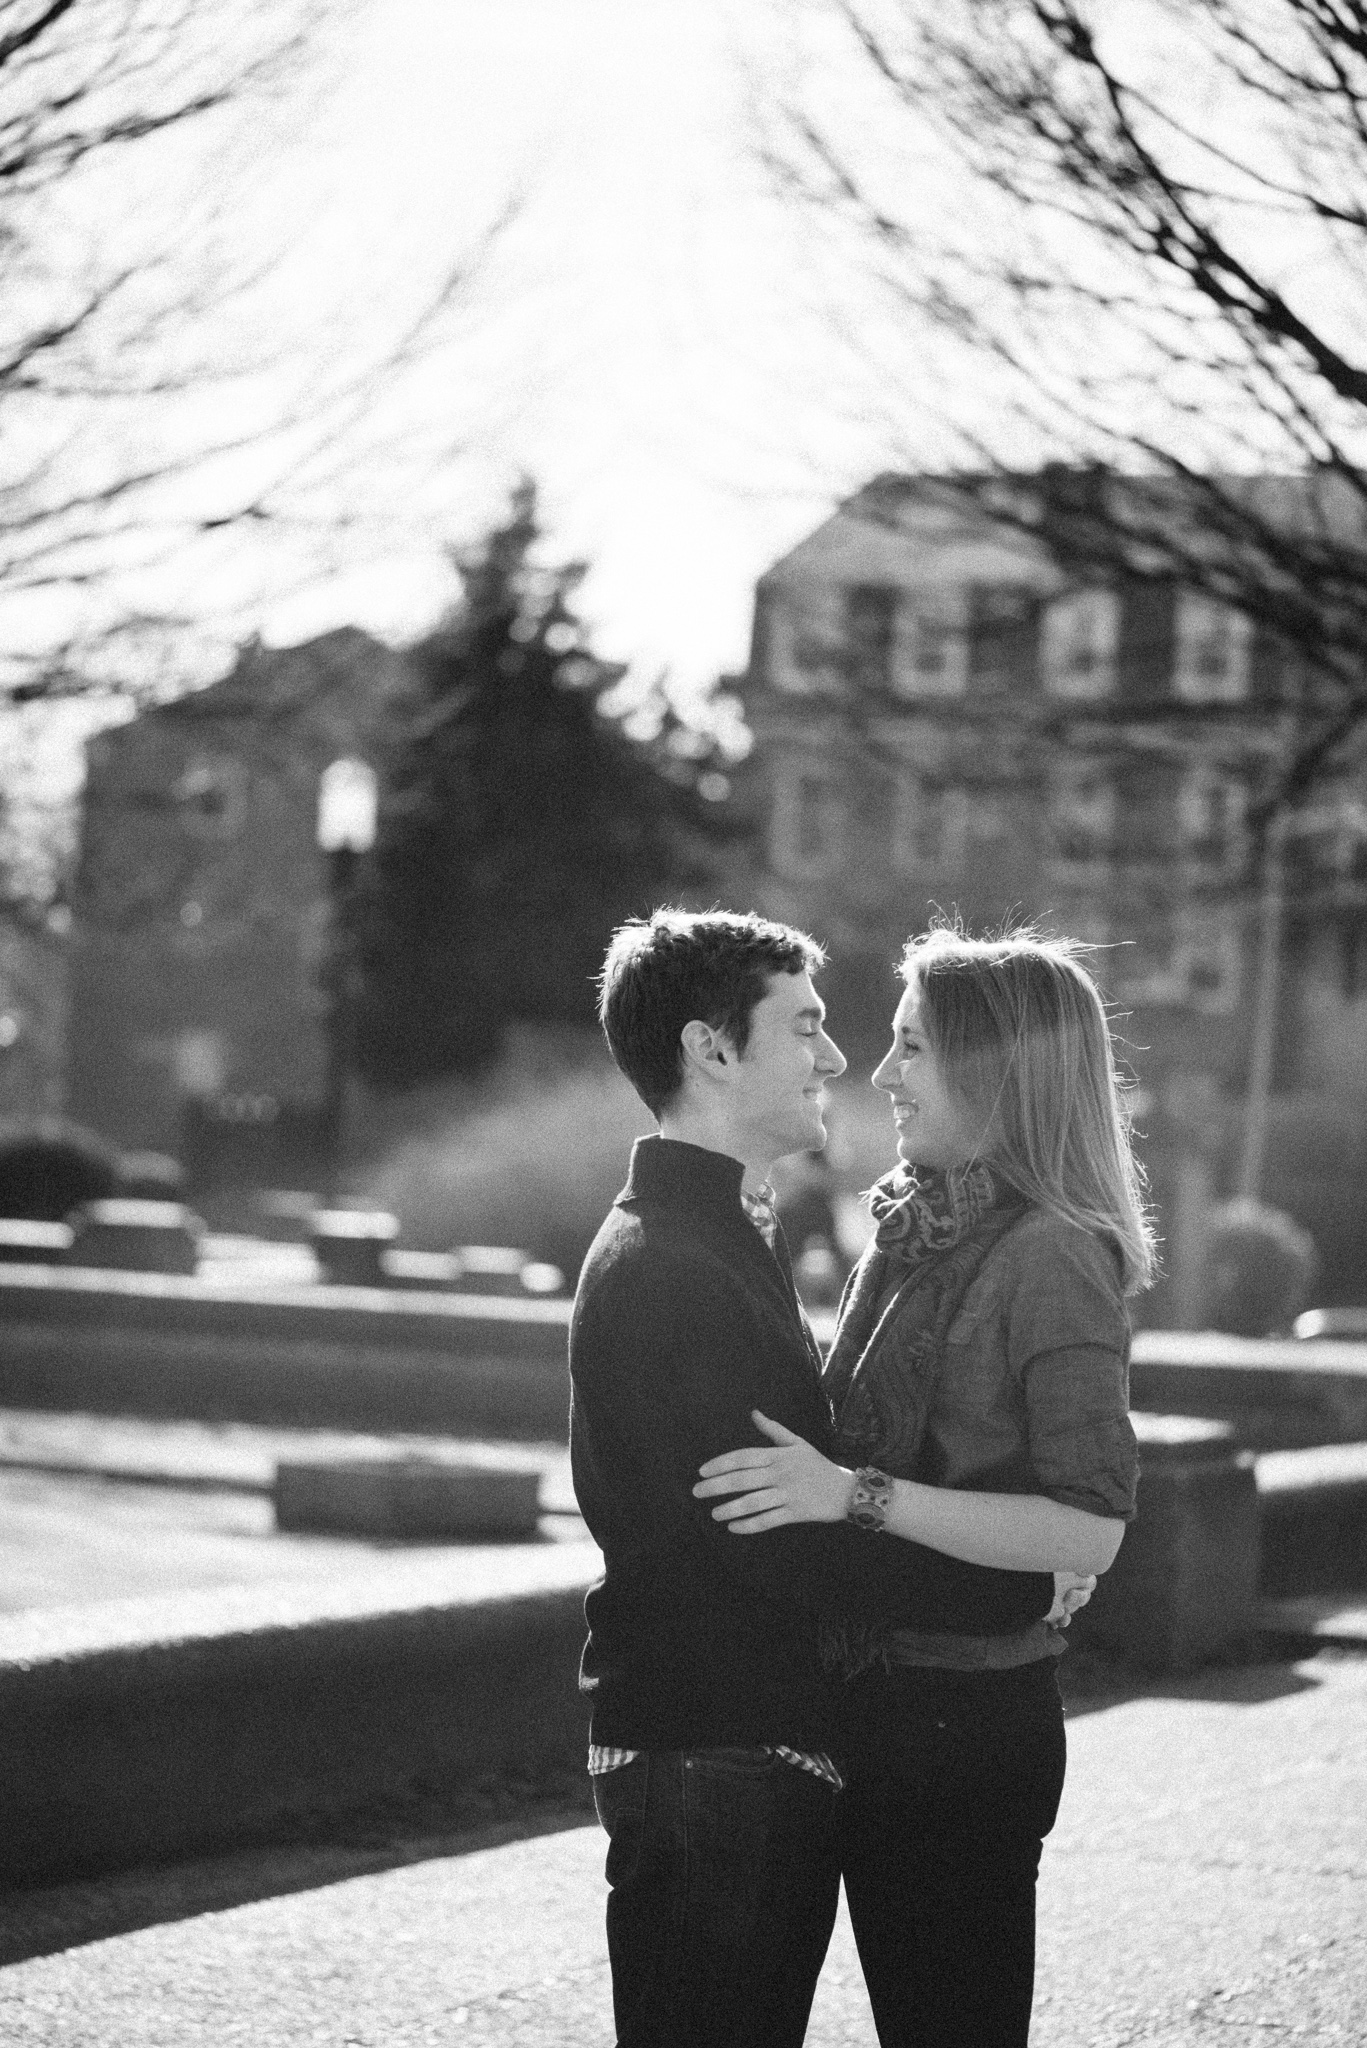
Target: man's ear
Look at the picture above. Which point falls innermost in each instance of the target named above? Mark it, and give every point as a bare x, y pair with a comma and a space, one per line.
704, 1046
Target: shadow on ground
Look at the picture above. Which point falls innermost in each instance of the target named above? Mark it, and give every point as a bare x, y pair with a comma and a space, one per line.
328, 1848
1250, 1672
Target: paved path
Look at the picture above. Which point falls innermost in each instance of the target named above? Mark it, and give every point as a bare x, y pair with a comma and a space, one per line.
1206, 1886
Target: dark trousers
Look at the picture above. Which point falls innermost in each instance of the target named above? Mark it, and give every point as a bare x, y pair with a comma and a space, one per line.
954, 1781
724, 1874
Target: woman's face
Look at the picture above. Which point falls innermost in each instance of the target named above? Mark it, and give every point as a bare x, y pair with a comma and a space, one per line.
932, 1129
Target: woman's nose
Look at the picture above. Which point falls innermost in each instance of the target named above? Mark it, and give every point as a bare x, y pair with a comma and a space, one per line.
886, 1075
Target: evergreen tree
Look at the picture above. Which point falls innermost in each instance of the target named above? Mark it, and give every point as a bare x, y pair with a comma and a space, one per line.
520, 822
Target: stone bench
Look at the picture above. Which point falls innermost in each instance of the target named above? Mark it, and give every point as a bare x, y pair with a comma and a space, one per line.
1313, 1511
406, 1495
1185, 1583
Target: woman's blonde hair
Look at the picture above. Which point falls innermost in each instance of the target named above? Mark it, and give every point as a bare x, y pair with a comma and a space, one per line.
1020, 1031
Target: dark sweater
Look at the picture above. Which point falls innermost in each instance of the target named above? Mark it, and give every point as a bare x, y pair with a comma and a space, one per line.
684, 1321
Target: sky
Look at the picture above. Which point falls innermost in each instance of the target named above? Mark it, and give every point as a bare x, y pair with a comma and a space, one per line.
644, 303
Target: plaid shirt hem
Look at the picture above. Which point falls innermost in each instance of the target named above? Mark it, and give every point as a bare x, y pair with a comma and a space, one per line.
603, 1759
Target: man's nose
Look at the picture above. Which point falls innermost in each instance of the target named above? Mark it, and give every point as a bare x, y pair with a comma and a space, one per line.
833, 1060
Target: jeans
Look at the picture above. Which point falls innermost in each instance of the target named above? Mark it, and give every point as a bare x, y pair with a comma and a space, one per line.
724, 1875
954, 1780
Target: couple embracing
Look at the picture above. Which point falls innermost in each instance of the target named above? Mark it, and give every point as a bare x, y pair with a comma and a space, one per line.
825, 1638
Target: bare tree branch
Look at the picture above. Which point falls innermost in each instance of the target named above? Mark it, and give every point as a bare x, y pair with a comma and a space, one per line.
143, 406
1168, 274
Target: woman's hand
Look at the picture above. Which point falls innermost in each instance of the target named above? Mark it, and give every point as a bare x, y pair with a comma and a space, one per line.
1071, 1591
790, 1482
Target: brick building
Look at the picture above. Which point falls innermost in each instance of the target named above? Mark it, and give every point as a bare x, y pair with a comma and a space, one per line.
201, 905
948, 713
32, 1011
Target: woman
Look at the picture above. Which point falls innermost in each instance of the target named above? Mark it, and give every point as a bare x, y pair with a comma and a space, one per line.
979, 1381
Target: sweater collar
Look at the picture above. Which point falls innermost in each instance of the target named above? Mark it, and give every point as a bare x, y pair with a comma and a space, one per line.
664, 1170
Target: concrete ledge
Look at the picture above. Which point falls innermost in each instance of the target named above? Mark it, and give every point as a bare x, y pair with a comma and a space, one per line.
352, 1357
25, 1243
75, 1297
146, 1729
1277, 1393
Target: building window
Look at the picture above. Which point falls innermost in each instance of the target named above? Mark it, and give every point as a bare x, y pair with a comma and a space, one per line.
930, 638
929, 828
930, 658
1082, 813
200, 1062
1207, 968
1080, 635
211, 797
348, 807
1212, 650
1003, 624
807, 827
870, 634
1210, 815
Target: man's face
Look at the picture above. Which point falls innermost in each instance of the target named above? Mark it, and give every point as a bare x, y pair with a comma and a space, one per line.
782, 1074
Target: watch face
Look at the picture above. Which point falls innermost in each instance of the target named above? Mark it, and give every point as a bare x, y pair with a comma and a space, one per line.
871, 1499
870, 1502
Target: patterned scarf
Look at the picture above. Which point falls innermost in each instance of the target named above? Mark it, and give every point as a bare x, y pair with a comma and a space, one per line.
933, 1233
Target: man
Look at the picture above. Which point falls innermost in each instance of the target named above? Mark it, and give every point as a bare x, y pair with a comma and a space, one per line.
712, 1722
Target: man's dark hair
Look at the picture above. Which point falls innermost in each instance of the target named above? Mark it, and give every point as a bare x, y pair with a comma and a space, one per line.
663, 971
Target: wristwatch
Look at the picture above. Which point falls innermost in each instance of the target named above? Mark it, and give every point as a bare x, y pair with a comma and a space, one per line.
871, 1499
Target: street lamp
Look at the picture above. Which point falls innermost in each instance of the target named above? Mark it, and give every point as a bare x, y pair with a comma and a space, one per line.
348, 803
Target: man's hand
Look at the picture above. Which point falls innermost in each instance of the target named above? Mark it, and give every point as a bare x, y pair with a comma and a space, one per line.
1070, 1592
789, 1481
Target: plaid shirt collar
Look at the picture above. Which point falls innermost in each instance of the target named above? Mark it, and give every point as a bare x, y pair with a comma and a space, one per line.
761, 1206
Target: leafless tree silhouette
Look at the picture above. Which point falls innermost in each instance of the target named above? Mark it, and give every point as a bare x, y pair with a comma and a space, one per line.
142, 403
